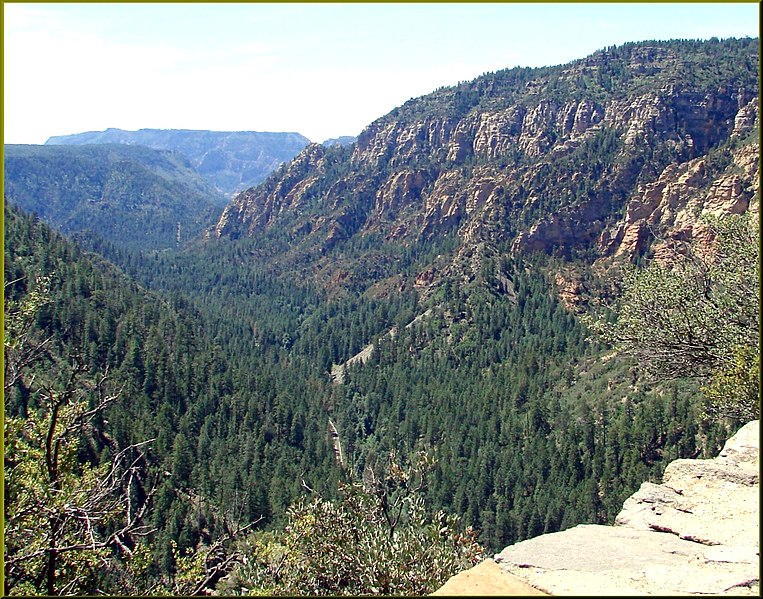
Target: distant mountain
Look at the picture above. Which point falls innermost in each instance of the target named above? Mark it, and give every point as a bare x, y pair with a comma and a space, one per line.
230, 160
132, 196
344, 140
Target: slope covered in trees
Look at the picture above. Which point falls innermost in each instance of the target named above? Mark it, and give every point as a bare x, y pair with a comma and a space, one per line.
129, 195
217, 428
230, 161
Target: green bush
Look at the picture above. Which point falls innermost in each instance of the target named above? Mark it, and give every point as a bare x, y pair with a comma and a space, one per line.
698, 317
377, 539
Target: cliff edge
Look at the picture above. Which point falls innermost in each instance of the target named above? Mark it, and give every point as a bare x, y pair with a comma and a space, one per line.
697, 533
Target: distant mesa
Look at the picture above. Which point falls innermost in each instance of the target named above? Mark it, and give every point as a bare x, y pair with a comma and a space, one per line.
344, 140
231, 161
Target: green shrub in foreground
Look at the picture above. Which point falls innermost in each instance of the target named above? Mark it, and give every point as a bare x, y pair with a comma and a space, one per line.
377, 539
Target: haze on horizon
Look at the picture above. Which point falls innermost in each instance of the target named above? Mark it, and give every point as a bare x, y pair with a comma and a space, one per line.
321, 70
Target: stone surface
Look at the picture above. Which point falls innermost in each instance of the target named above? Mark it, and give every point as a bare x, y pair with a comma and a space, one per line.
713, 502
607, 560
697, 533
486, 580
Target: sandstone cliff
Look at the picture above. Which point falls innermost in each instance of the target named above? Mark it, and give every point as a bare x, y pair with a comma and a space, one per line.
598, 157
697, 533
668, 208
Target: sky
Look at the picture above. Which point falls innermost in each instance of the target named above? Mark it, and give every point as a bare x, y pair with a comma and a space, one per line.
319, 69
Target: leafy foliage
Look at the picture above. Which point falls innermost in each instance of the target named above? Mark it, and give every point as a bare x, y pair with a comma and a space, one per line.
230, 375
734, 390
63, 516
699, 317
377, 538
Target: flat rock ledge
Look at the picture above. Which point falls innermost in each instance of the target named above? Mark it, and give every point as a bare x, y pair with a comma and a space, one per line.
697, 533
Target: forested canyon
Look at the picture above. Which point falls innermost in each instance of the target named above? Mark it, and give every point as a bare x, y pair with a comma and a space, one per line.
494, 315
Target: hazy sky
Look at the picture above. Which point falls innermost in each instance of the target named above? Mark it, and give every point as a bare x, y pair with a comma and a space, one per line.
322, 70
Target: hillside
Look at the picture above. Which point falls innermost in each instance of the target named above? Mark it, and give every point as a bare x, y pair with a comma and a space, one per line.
554, 160
131, 196
196, 406
230, 160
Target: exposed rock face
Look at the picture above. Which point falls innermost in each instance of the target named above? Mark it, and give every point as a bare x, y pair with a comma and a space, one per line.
258, 207
669, 208
569, 290
538, 161
400, 190
745, 118
696, 533
497, 131
712, 502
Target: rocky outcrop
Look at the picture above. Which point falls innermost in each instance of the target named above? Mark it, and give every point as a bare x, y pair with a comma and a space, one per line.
697, 533
745, 118
497, 131
257, 207
533, 160
669, 208
400, 190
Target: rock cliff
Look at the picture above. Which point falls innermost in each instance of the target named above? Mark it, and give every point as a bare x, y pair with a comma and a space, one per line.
697, 533
598, 158
667, 209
